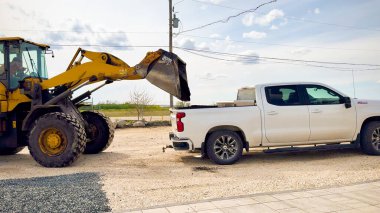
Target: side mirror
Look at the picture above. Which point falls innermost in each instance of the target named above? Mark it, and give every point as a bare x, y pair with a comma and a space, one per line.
347, 102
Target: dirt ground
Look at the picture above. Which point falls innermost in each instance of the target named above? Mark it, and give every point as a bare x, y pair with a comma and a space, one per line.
137, 174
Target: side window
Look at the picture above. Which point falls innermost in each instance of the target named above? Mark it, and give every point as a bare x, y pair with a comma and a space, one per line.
2, 64
282, 95
318, 95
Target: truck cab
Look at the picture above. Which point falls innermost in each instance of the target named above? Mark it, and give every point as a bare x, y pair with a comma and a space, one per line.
19, 59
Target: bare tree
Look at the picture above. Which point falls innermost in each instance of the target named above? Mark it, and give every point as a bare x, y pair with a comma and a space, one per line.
140, 99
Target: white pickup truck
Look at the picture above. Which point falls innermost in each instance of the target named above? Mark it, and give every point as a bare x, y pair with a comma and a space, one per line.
277, 115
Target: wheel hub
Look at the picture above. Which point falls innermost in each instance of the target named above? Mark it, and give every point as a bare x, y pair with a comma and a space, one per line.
224, 147
53, 141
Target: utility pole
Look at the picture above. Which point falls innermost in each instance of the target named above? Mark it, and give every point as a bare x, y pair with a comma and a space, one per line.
171, 38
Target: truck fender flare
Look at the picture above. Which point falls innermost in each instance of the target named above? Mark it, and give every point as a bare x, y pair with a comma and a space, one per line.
367, 120
236, 129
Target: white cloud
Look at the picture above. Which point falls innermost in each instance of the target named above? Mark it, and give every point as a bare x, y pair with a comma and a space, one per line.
215, 35
248, 57
317, 11
204, 7
248, 19
254, 35
264, 20
84, 33
75, 32
274, 27
189, 43
223, 45
216, 1
378, 82
212, 76
186, 43
284, 22
203, 46
213, 1
301, 51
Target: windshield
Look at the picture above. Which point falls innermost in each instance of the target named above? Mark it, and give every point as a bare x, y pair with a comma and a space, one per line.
26, 60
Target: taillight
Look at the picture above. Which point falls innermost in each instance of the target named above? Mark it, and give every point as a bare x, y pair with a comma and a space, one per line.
180, 125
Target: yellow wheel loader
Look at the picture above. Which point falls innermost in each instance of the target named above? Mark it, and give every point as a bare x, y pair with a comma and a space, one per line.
42, 114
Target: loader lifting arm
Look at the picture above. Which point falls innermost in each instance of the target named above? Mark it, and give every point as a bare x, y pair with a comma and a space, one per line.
163, 69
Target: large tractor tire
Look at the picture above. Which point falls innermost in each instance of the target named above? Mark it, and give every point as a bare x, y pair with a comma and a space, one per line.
11, 151
56, 140
100, 132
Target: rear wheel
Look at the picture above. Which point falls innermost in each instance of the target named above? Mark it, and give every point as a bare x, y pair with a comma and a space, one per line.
100, 132
56, 140
11, 151
370, 138
224, 147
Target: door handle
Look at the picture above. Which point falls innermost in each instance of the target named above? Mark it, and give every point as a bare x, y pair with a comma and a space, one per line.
272, 113
316, 111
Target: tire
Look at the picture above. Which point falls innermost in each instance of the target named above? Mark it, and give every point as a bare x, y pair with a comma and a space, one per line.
11, 151
224, 147
56, 140
370, 138
100, 132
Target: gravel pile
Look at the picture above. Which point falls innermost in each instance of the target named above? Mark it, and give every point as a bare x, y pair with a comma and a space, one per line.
79, 192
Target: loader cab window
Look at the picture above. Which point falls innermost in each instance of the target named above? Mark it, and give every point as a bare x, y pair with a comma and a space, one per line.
26, 60
2, 64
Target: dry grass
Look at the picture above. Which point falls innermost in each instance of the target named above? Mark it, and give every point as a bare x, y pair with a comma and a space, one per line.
133, 113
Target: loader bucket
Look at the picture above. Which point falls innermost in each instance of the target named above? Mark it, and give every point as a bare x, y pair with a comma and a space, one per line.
168, 72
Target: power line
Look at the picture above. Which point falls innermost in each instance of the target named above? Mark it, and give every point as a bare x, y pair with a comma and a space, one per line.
279, 44
178, 2
283, 59
91, 32
229, 17
101, 45
266, 61
211, 57
292, 17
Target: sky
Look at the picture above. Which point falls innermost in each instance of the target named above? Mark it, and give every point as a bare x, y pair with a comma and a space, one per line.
339, 31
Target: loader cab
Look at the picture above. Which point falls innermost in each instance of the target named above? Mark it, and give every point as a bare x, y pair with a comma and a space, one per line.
20, 59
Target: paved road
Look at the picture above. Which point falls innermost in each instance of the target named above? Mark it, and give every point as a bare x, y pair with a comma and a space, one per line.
363, 198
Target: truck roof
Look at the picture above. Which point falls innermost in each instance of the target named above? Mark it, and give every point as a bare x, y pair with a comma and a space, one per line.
258, 86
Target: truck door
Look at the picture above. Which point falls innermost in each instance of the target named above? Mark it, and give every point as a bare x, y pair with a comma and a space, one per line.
286, 119
330, 120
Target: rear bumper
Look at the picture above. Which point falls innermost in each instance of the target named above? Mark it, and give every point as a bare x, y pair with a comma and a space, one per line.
181, 143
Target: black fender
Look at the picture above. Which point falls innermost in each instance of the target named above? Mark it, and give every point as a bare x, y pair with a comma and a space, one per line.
36, 112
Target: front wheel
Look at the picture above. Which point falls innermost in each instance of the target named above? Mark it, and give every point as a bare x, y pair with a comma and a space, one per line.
100, 132
370, 138
56, 140
224, 147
